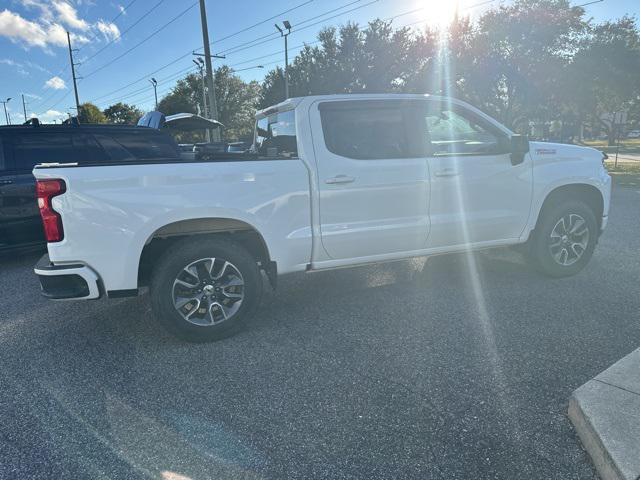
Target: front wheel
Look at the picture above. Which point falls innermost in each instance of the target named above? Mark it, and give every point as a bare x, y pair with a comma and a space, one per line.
564, 240
203, 289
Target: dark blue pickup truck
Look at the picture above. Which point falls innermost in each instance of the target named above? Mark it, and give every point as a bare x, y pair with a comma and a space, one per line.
23, 146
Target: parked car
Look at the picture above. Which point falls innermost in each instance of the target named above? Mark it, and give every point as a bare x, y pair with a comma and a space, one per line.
23, 146
238, 147
336, 181
633, 134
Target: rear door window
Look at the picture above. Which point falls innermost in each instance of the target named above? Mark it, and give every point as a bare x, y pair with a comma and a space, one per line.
370, 130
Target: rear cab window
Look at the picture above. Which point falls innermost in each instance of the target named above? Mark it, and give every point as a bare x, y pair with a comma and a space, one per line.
131, 146
275, 135
90, 146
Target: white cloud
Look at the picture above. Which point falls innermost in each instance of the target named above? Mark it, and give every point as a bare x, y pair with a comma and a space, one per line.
56, 83
23, 67
17, 28
49, 116
68, 15
18, 66
109, 30
57, 35
47, 29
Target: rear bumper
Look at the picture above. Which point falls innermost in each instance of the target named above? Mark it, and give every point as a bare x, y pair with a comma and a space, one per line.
67, 282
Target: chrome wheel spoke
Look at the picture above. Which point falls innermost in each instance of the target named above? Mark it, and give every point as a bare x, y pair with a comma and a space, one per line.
208, 291
577, 225
569, 239
223, 270
216, 312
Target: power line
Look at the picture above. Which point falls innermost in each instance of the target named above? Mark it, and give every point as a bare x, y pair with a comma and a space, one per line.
273, 36
189, 53
590, 3
263, 21
44, 101
121, 34
244, 46
122, 11
145, 88
154, 33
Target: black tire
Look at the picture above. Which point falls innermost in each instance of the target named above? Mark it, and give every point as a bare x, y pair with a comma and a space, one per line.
541, 252
172, 264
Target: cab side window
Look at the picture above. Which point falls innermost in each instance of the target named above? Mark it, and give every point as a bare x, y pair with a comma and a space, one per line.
452, 130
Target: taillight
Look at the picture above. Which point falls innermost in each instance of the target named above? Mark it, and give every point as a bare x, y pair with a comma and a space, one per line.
51, 220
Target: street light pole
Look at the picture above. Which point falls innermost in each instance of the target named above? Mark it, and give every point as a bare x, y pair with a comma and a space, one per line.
6, 115
288, 27
154, 82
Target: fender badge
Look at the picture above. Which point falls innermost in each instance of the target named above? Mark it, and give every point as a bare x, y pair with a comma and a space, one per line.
545, 151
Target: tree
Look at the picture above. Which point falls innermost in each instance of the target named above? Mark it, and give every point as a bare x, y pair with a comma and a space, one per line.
517, 64
351, 60
609, 59
122, 113
236, 101
89, 113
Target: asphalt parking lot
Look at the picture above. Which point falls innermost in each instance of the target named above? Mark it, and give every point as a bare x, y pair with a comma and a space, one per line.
457, 369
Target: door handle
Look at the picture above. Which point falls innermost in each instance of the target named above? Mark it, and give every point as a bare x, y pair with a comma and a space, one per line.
447, 172
339, 179
6, 182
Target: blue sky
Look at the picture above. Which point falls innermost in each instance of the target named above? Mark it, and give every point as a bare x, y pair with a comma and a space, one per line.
34, 58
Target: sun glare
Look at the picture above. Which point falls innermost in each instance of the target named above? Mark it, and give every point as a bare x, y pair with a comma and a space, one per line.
438, 13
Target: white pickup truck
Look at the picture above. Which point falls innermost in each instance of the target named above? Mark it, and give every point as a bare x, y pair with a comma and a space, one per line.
333, 181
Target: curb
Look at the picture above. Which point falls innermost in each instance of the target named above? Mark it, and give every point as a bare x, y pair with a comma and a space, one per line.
606, 415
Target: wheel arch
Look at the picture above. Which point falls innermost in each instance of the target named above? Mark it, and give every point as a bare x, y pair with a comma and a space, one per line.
238, 231
585, 192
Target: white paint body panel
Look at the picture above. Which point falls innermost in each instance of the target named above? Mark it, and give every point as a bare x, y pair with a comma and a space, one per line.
109, 213
394, 210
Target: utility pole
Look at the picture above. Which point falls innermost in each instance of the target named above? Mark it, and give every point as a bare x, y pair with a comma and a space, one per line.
6, 115
287, 26
73, 73
200, 64
208, 62
154, 82
24, 107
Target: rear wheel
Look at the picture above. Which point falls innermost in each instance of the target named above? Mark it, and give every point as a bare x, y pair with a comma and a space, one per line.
564, 240
204, 289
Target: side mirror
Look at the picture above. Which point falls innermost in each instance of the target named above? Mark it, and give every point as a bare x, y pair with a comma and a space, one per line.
519, 148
